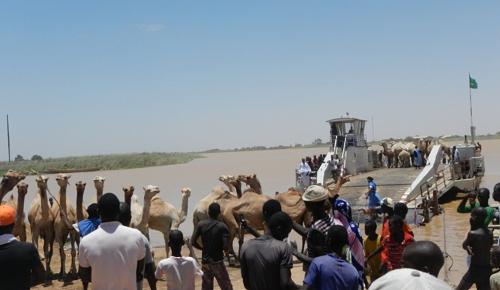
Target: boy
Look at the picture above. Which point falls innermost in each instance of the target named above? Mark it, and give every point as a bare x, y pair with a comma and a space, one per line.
180, 271
477, 244
331, 271
394, 244
371, 243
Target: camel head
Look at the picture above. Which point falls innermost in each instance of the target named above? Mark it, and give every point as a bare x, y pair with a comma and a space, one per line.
128, 192
150, 191
10, 179
186, 192
80, 187
344, 179
62, 180
226, 179
22, 189
247, 178
99, 182
41, 182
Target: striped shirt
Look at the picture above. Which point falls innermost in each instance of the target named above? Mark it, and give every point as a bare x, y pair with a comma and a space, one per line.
392, 252
324, 224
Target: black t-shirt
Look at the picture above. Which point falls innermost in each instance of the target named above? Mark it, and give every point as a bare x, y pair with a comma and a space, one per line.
17, 259
213, 233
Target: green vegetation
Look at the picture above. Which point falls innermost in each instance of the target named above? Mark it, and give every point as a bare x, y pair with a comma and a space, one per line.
98, 162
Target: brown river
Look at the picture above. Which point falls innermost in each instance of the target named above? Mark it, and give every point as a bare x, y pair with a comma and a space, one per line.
275, 169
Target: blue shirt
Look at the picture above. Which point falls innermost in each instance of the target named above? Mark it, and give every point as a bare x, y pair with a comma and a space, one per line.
87, 226
372, 186
332, 273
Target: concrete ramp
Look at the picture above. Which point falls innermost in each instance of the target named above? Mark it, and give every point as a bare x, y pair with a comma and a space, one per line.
429, 171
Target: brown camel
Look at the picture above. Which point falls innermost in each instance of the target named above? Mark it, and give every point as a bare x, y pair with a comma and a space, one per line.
42, 221
219, 195
249, 207
20, 225
389, 154
293, 205
81, 212
99, 186
64, 216
9, 180
252, 182
150, 191
335, 189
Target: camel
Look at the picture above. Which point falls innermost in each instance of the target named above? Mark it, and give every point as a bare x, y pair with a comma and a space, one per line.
389, 154
249, 207
20, 226
42, 221
99, 186
404, 159
135, 207
9, 180
219, 195
150, 191
160, 215
81, 212
64, 216
252, 182
293, 205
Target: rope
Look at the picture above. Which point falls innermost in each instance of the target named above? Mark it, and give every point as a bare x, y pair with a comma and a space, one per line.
445, 252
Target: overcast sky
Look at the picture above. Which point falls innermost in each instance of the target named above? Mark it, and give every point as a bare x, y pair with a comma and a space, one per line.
86, 77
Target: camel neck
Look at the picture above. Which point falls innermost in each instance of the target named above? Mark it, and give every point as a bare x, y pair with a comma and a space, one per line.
99, 193
238, 189
20, 207
184, 207
44, 203
128, 199
145, 212
79, 205
62, 198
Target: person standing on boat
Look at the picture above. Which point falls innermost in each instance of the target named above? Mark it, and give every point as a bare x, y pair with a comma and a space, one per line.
483, 196
373, 196
304, 171
417, 158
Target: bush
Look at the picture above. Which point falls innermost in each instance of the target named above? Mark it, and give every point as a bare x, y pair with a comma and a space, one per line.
19, 158
36, 158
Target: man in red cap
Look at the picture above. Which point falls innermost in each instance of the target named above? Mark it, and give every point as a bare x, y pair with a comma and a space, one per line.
20, 266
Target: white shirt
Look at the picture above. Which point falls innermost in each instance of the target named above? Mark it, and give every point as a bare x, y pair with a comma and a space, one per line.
304, 168
180, 272
112, 251
6, 238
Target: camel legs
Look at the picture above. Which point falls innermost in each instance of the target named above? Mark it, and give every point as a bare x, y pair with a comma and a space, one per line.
73, 271
62, 272
47, 251
167, 239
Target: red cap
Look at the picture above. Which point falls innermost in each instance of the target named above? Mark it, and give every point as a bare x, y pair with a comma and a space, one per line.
7, 215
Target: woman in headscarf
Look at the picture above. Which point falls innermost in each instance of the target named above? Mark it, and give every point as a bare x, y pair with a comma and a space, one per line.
342, 213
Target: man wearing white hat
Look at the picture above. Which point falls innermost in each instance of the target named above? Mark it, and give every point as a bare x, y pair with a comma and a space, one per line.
408, 279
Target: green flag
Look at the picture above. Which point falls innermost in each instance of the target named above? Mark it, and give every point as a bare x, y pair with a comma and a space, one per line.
472, 83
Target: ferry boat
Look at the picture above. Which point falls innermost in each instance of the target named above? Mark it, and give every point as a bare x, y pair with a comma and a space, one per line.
416, 187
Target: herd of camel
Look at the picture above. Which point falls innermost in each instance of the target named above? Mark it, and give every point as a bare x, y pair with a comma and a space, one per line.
52, 221
400, 154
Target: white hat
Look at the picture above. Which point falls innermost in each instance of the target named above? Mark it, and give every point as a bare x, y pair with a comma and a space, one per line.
408, 279
315, 193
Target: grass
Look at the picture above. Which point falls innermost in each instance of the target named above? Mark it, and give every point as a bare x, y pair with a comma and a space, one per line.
99, 162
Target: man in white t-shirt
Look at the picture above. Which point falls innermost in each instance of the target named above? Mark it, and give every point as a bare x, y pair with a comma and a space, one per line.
112, 257
180, 271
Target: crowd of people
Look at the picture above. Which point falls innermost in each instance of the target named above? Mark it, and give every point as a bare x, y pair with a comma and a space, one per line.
114, 256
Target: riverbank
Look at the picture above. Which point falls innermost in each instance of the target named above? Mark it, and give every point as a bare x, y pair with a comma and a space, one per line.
98, 162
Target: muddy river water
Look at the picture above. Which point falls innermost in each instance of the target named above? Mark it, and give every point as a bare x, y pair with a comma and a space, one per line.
275, 170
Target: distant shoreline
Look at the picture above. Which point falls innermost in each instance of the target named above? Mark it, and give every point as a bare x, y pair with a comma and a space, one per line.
98, 162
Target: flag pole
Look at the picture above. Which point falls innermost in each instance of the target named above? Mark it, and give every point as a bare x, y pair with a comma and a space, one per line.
472, 133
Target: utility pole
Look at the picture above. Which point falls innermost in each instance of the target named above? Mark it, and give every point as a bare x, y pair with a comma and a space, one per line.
8, 137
